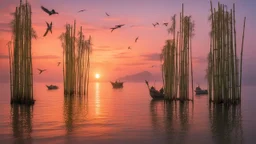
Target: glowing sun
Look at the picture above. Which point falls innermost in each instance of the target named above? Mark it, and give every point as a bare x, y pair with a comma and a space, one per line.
97, 76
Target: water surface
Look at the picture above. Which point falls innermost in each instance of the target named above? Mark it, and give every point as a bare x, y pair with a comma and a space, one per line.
124, 115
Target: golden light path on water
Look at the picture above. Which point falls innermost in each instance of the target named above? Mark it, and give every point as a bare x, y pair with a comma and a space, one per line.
97, 98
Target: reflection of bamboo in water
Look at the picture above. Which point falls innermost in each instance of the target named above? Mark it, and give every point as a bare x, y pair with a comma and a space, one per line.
22, 122
226, 123
75, 109
176, 117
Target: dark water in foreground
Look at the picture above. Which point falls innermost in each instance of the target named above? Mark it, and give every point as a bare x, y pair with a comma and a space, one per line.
124, 116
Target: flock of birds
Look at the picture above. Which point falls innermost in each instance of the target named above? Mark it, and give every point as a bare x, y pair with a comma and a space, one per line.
53, 12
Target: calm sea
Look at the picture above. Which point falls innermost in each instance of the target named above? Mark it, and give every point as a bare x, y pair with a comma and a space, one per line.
125, 115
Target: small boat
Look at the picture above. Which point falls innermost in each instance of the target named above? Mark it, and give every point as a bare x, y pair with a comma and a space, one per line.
155, 94
52, 87
200, 91
117, 84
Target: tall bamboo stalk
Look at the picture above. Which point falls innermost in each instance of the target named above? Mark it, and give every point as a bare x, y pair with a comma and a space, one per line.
223, 62
76, 64
177, 59
241, 61
21, 75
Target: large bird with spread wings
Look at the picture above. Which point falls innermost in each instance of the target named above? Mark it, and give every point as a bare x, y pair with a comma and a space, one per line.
49, 12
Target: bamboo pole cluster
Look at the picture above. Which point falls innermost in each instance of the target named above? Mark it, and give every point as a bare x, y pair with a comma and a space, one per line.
177, 59
20, 59
76, 61
224, 81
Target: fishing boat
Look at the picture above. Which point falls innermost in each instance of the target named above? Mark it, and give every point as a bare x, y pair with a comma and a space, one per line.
155, 94
52, 87
200, 91
117, 84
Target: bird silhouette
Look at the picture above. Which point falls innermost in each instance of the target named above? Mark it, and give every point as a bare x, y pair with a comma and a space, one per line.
49, 12
112, 29
49, 28
129, 47
116, 27
136, 39
81, 10
119, 26
155, 24
59, 63
40, 70
107, 14
166, 24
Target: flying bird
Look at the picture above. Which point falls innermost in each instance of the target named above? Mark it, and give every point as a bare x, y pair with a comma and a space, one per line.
49, 28
136, 39
40, 70
81, 10
49, 12
129, 47
107, 14
155, 24
116, 27
119, 26
112, 29
165, 24
59, 63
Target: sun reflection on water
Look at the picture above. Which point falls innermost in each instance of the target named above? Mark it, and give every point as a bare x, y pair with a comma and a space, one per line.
97, 98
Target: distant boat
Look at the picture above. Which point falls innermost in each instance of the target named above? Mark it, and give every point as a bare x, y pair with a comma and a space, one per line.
200, 91
155, 94
117, 84
52, 87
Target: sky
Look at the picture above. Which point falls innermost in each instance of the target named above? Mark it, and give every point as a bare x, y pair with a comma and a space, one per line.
110, 55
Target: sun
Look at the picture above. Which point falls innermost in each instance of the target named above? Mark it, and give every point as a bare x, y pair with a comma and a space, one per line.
97, 76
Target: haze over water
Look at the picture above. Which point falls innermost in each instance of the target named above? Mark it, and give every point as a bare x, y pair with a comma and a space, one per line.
125, 115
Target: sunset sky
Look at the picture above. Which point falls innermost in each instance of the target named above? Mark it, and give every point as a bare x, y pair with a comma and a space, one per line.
110, 56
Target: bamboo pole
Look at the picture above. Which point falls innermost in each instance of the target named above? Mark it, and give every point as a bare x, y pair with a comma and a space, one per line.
236, 63
75, 61
176, 61
241, 60
191, 65
222, 71
21, 75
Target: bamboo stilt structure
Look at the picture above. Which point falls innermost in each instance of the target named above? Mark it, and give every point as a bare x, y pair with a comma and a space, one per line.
177, 60
222, 73
20, 59
76, 61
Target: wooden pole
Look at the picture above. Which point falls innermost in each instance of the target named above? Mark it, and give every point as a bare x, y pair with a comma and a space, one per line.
241, 61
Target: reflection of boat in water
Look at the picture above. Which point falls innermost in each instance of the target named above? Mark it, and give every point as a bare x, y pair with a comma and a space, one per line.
117, 84
52, 87
200, 91
155, 94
